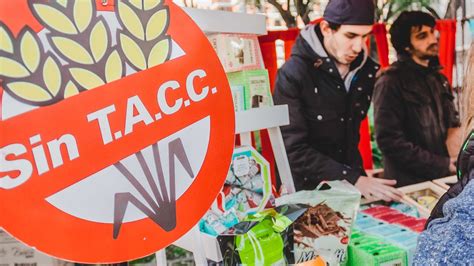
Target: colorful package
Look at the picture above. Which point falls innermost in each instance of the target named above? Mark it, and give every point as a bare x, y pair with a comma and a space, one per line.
385, 230
256, 85
367, 222
215, 223
247, 188
238, 96
324, 229
237, 51
265, 238
379, 255
405, 208
413, 224
377, 209
392, 217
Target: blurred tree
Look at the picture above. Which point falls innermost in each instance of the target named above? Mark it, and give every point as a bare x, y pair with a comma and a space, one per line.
386, 10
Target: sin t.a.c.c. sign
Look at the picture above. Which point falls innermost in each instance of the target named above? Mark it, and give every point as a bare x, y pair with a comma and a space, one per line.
117, 126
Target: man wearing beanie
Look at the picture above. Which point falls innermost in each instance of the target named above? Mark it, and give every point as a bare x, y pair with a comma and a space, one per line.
327, 83
414, 108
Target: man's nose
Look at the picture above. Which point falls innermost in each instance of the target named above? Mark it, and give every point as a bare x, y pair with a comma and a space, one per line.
357, 46
433, 38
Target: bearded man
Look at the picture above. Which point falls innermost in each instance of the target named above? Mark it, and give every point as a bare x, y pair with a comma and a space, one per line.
413, 105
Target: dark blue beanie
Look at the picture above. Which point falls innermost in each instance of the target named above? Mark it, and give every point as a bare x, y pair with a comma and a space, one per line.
350, 12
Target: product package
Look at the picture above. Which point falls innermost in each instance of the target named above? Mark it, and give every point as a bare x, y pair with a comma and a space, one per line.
237, 51
405, 208
406, 241
256, 87
396, 232
385, 230
264, 238
247, 190
379, 255
366, 249
324, 229
248, 185
238, 96
414, 224
423, 196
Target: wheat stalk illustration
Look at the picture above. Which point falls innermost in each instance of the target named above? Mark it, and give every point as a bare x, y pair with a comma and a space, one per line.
143, 39
27, 73
82, 39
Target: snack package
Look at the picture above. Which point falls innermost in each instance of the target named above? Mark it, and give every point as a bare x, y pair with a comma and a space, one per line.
264, 238
237, 51
324, 229
215, 223
385, 230
247, 188
256, 85
379, 255
405, 208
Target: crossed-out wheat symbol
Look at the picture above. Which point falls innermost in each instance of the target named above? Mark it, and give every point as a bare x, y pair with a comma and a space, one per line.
83, 58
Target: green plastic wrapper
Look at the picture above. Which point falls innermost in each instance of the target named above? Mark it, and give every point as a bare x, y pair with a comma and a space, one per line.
264, 238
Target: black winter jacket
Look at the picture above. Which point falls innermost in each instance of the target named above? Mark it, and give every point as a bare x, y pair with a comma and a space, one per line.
465, 172
323, 136
413, 108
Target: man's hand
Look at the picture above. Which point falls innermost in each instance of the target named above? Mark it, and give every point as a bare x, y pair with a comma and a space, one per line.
378, 189
452, 165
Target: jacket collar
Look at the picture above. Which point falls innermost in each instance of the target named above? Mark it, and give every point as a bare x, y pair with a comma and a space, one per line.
433, 66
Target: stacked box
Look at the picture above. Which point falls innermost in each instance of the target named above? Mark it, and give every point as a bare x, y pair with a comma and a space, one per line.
367, 222
385, 230
256, 87
414, 224
407, 241
379, 254
395, 228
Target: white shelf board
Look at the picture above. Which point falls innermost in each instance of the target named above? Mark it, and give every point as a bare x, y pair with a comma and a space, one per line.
212, 21
261, 118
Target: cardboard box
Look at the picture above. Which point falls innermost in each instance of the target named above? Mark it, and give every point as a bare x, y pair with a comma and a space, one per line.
237, 52
256, 87
416, 194
446, 182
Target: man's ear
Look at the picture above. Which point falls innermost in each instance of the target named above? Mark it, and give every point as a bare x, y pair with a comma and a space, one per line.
325, 29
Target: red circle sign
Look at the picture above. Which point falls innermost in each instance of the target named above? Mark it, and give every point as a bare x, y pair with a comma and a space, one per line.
117, 127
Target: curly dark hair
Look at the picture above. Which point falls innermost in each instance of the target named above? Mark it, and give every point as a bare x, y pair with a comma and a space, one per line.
401, 29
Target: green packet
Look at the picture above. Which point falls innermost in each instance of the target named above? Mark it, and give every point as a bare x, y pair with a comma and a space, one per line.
264, 238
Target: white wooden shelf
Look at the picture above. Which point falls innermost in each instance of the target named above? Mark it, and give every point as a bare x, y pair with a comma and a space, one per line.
211, 21
261, 118
271, 118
